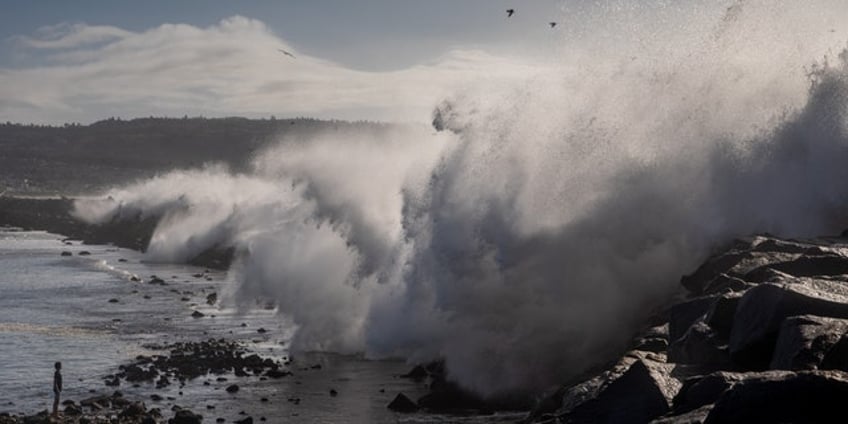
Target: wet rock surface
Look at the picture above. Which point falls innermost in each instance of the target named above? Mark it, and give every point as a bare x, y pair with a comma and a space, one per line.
761, 337
189, 360
112, 408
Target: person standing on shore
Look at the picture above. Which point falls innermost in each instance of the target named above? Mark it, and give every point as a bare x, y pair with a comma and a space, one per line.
57, 387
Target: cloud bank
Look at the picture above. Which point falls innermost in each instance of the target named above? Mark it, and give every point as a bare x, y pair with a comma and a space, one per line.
231, 68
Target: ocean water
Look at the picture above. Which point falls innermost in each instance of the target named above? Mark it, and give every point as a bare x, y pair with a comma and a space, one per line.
57, 308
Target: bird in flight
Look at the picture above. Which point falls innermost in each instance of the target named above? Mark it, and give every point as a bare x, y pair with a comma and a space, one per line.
552, 24
509, 12
286, 53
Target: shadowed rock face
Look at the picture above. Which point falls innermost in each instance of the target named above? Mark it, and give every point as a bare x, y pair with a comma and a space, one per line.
763, 337
810, 396
641, 394
763, 309
805, 341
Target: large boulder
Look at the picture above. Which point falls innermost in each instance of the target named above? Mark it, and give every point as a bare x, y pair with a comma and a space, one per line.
804, 341
729, 268
721, 314
780, 396
402, 403
761, 311
640, 394
701, 346
703, 390
836, 357
808, 266
185, 416
684, 314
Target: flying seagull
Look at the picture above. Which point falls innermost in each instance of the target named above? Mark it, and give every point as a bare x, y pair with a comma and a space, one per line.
286, 53
552, 24
509, 12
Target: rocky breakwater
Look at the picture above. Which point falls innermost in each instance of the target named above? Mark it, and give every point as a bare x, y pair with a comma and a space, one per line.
762, 336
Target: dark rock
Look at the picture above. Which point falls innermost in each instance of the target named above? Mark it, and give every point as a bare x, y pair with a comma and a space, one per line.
156, 398
704, 390
232, 388
837, 357
762, 309
185, 416
133, 410
73, 410
122, 260
401, 403
807, 266
66, 253
113, 300
804, 341
651, 344
40, 418
417, 373
197, 314
275, 373
720, 316
84, 253
788, 397
247, 420
683, 315
261, 331
642, 393
700, 345
156, 280
734, 263
212, 298
724, 283
696, 416
333, 393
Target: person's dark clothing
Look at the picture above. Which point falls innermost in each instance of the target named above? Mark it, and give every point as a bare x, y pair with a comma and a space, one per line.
57, 382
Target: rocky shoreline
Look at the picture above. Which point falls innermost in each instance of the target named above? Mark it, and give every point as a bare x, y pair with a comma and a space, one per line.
761, 337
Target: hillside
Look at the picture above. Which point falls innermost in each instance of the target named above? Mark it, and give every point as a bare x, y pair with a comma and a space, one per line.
79, 159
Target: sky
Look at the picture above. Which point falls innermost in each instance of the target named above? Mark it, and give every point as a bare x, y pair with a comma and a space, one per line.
87, 60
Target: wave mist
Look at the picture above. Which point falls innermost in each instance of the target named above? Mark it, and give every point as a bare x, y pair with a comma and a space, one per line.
530, 237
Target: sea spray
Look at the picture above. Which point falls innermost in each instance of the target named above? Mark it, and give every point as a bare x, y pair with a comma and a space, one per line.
530, 237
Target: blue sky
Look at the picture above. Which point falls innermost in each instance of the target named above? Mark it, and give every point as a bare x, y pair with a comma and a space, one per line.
370, 34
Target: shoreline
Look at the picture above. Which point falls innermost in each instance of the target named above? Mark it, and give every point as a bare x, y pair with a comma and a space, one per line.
48, 214
766, 315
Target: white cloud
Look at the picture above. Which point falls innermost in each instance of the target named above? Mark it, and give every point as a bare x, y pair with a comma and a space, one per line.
231, 68
65, 35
